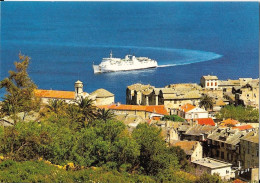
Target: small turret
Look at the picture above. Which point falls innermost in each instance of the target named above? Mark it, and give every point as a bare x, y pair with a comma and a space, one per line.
111, 54
78, 89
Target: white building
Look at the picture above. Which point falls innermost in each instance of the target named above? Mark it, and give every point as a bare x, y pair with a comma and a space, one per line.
212, 166
209, 82
189, 111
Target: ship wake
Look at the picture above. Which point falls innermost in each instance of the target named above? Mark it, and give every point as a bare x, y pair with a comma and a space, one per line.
169, 57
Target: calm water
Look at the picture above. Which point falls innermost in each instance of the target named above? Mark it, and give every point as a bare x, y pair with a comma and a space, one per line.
187, 39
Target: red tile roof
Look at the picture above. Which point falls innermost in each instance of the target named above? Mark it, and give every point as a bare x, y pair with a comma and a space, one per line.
54, 94
229, 121
158, 109
205, 121
187, 107
244, 127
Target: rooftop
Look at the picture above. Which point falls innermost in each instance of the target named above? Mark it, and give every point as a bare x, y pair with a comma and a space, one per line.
229, 121
227, 135
212, 163
243, 127
187, 146
139, 87
100, 93
252, 136
200, 129
187, 107
205, 121
159, 109
210, 77
54, 94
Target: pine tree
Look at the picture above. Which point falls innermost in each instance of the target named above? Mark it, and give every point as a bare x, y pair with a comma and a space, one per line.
20, 88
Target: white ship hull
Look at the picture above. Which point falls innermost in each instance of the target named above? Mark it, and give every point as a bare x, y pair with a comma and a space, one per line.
100, 69
128, 63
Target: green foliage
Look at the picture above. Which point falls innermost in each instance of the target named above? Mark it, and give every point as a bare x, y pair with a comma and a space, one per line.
81, 134
105, 115
38, 171
154, 157
173, 118
20, 91
106, 144
24, 141
181, 155
207, 178
240, 113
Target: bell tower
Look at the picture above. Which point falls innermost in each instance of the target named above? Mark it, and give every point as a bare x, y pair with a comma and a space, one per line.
78, 89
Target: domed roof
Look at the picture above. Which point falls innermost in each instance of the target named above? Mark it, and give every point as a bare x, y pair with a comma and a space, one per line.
102, 93
78, 82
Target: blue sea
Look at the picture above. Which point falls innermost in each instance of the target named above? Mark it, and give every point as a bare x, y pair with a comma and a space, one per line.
188, 39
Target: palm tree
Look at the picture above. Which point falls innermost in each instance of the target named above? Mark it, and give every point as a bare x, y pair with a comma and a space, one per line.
55, 106
87, 108
206, 102
105, 115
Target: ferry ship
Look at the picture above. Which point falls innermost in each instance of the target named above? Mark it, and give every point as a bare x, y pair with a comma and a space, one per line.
130, 62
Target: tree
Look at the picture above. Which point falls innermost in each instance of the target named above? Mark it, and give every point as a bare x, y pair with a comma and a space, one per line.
240, 113
207, 178
20, 90
155, 158
173, 118
104, 114
54, 106
206, 102
88, 110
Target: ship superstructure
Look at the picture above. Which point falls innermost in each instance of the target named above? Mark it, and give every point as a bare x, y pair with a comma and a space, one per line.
130, 62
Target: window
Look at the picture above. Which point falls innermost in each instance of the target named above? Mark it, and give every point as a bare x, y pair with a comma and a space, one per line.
222, 144
222, 155
207, 84
211, 84
227, 171
216, 84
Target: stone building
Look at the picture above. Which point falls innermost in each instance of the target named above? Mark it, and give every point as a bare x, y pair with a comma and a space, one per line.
172, 96
137, 94
248, 95
192, 149
249, 156
249, 150
100, 96
197, 132
209, 82
224, 144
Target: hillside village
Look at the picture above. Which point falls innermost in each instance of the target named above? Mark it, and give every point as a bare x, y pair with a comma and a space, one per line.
225, 146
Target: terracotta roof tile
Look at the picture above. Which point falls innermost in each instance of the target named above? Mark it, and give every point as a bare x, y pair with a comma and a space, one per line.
229, 121
205, 121
244, 127
159, 109
187, 107
54, 94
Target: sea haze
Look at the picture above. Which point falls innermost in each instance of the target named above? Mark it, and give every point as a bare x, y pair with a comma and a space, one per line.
188, 39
